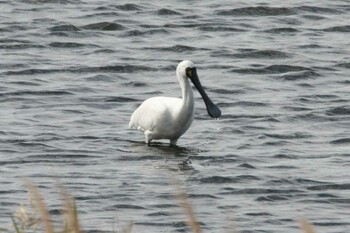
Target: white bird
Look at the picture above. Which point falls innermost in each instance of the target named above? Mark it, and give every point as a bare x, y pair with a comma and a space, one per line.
168, 117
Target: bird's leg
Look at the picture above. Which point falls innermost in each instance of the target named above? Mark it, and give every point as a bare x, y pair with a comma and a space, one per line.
173, 142
148, 137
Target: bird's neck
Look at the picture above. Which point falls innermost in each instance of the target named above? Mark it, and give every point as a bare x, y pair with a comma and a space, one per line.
186, 109
187, 94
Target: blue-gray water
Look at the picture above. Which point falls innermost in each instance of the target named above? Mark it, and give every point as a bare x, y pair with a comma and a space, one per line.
72, 72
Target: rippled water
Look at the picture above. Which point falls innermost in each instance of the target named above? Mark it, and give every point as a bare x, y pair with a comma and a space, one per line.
72, 72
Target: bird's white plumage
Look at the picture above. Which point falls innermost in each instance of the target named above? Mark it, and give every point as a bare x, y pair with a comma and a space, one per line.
166, 117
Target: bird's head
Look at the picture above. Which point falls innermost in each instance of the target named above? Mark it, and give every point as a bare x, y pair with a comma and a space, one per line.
186, 69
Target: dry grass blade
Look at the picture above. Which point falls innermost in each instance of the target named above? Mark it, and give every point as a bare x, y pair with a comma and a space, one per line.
70, 215
306, 226
24, 219
128, 228
40, 205
183, 202
15, 225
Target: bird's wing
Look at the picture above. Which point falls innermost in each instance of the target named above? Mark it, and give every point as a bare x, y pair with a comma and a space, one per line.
153, 112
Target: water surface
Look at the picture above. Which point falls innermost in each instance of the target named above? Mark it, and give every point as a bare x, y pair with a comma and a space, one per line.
72, 72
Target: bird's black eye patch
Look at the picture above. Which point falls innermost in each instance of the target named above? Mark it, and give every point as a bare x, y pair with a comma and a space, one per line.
189, 72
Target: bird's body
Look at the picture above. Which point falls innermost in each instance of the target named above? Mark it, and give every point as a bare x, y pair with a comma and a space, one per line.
162, 118
168, 117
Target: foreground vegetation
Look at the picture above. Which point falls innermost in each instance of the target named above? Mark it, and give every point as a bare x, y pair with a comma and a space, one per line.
38, 219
